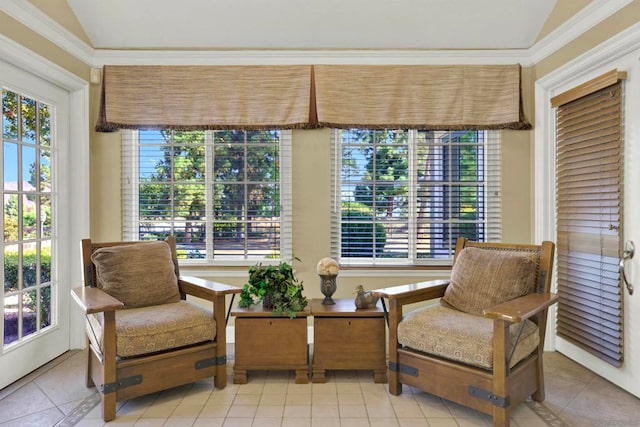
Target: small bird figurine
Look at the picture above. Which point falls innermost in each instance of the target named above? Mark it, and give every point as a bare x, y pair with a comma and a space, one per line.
365, 299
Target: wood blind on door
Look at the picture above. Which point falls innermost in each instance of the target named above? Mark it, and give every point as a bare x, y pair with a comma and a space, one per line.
589, 180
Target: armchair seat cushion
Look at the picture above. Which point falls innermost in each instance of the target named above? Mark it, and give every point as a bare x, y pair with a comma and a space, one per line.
462, 337
157, 328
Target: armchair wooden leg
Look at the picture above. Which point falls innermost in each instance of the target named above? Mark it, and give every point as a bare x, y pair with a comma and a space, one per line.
500, 417
395, 316
109, 374
220, 380
88, 378
538, 396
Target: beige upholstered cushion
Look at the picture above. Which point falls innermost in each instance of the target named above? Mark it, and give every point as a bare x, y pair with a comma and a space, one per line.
462, 337
482, 278
139, 274
156, 328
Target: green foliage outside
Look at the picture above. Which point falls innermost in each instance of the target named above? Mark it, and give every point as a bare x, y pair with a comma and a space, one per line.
245, 189
358, 230
30, 298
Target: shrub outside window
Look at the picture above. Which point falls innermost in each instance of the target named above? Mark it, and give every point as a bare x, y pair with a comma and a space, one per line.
224, 194
402, 197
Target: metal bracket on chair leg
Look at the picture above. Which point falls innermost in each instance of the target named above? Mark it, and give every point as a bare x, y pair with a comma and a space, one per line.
499, 401
404, 369
213, 361
123, 383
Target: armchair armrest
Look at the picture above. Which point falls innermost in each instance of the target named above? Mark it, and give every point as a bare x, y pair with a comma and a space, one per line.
414, 292
521, 308
95, 300
205, 289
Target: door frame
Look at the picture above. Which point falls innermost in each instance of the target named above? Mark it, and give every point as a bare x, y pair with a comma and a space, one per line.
602, 58
76, 195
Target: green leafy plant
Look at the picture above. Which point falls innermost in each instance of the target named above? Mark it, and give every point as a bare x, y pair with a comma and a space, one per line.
276, 287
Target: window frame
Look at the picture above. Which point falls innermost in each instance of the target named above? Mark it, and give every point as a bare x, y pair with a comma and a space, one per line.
492, 204
130, 200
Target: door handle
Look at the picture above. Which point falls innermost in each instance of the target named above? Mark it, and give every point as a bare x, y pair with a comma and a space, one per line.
627, 253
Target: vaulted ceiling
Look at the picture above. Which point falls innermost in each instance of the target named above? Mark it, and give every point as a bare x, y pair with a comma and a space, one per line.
312, 24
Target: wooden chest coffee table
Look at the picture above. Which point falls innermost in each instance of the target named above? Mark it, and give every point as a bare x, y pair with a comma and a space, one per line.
348, 338
267, 342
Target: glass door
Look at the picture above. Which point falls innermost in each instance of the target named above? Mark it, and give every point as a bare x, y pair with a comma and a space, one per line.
35, 325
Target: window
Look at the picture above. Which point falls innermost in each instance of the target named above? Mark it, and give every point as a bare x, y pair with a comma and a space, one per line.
225, 195
27, 191
404, 196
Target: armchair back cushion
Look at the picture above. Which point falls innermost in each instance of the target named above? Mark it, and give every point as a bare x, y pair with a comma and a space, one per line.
482, 278
139, 275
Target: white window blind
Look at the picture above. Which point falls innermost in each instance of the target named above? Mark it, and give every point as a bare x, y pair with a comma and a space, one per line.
404, 196
225, 195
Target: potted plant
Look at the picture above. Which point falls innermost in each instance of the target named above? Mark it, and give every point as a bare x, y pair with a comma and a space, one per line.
276, 287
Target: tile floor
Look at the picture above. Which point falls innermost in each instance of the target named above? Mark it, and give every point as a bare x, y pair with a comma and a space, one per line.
51, 396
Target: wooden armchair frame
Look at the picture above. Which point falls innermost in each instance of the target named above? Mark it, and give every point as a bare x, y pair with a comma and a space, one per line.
120, 379
493, 392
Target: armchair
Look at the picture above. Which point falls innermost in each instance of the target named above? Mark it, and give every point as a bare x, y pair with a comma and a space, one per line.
481, 345
142, 333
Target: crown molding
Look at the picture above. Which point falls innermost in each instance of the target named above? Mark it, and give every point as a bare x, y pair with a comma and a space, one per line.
36, 20
29, 15
288, 57
591, 15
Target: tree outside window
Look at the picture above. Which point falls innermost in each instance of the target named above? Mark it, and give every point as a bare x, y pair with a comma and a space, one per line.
218, 192
405, 196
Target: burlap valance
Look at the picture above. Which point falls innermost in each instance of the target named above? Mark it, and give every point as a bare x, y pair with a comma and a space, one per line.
419, 97
205, 97
305, 96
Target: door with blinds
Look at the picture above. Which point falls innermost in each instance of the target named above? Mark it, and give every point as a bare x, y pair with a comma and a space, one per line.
594, 285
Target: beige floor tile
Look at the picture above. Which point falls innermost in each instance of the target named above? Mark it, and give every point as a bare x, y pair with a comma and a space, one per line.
326, 388
187, 411
354, 422
383, 422
270, 411
293, 388
267, 422
325, 399
208, 422
273, 399
348, 388
442, 422
435, 410
407, 409
351, 399
46, 417
298, 399
325, 422
221, 399
247, 399
150, 422
324, 412
91, 422
180, 422
215, 411
461, 411
275, 388
380, 411
252, 388
296, 422
413, 422
471, 421
529, 422
238, 422
297, 411
26, 400
160, 411
352, 411
242, 411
